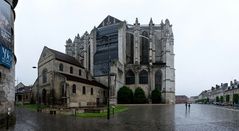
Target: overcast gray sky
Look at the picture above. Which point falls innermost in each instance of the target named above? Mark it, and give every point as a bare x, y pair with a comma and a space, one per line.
206, 34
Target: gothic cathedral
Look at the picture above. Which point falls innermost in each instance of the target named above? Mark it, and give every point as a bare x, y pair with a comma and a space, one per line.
138, 55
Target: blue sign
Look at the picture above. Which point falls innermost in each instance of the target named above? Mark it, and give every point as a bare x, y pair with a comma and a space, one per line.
6, 57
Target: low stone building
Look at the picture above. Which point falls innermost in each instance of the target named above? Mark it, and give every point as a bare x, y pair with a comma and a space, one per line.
217, 92
62, 80
204, 94
231, 91
193, 99
23, 94
223, 93
181, 99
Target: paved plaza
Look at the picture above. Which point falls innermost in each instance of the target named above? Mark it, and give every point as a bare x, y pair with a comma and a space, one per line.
137, 118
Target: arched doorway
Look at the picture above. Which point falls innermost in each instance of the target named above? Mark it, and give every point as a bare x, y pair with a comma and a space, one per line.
158, 80
63, 93
44, 96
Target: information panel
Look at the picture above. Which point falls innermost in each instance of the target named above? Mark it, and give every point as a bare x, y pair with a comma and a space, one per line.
6, 57
6, 25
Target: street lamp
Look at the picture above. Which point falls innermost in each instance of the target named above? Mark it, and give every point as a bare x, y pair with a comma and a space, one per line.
37, 85
233, 99
106, 39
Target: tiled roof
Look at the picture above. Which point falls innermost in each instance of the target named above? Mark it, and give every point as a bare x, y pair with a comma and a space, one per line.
25, 89
85, 81
65, 58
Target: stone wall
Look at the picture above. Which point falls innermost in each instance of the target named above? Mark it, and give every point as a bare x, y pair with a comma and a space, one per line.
7, 91
7, 75
79, 99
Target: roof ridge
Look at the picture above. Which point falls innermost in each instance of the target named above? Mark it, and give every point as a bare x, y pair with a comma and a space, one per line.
65, 57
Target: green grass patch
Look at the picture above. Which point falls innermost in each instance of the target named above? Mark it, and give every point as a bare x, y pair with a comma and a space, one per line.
117, 109
32, 107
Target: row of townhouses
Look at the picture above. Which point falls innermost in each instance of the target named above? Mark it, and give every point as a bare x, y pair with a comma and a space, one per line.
223, 93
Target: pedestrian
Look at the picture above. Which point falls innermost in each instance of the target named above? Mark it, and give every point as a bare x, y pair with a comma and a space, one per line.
189, 105
186, 105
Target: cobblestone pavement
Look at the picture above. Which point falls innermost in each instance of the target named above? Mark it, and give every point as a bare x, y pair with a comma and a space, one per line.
137, 118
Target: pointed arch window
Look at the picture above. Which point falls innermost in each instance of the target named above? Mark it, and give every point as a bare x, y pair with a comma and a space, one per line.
73, 88
44, 76
158, 80
63, 91
61, 67
130, 77
71, 70
130, 48
83, 90
92, 91
143, 77
144, 53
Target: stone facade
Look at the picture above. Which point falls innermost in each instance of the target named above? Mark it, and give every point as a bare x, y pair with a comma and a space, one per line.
7, 61
181, 99
137, 55
23, 94
231, 90
224, 90
62, 80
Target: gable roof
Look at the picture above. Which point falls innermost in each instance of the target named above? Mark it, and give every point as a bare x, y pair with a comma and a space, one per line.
25, 89
109, 20
19, 85
65, 58
82, 80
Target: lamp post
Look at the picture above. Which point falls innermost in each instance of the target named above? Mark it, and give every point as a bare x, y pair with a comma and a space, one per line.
106, 39
37, 85
233, 96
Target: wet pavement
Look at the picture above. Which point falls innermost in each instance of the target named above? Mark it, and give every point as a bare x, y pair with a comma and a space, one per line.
137, 118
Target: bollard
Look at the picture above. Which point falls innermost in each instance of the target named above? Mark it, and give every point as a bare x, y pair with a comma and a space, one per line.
113, 107
7, 121
8, 114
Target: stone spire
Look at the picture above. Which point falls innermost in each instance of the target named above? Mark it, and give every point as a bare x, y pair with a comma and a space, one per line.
136, 22
161, 22
167, 22
151, 22
68, 41
86, 33
77, 38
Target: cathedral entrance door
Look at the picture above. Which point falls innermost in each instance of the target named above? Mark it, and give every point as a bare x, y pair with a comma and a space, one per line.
44, 96
97, 101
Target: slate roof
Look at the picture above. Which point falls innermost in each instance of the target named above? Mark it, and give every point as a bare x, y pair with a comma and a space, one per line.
85, 81
65, 58
109, 20
25, 89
